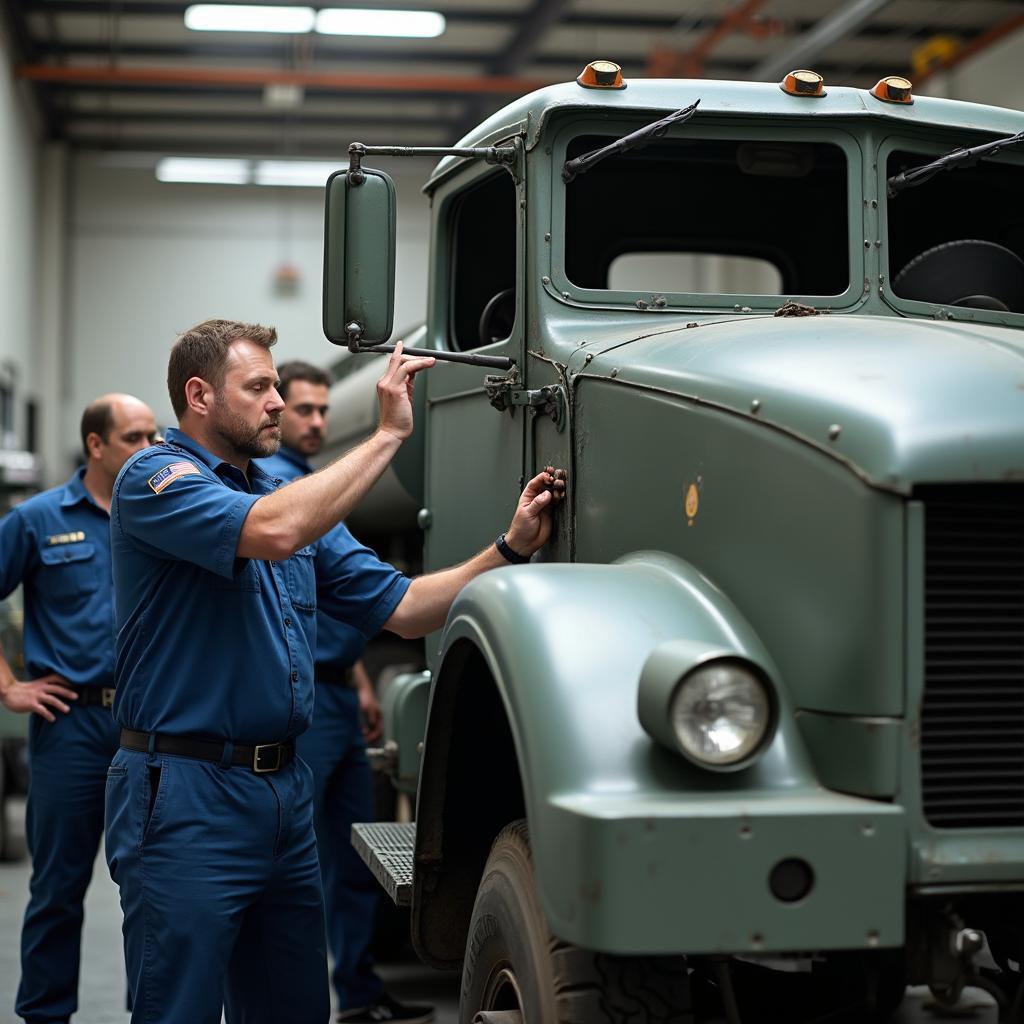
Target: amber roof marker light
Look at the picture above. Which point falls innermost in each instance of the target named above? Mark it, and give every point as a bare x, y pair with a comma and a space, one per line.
803, 83
601, 74
893, 89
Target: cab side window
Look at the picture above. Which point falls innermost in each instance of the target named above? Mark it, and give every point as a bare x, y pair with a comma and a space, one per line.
483, 273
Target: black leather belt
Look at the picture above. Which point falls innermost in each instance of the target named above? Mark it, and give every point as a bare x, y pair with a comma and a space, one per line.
335, 674
263, 757
91, 696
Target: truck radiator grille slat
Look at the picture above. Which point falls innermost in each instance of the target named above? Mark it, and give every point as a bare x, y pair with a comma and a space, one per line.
972, 724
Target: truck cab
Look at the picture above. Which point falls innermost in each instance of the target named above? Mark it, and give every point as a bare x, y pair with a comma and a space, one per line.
757, 709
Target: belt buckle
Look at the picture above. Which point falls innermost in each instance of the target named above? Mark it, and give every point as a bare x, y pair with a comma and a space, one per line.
107, 696
258, 754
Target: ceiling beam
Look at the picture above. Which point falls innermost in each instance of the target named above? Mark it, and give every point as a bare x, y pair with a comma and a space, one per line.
270, 119
980, 42
25, 50
467, 85
517, 52
805, 50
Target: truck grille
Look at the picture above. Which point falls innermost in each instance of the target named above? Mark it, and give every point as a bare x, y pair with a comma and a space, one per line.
972, 728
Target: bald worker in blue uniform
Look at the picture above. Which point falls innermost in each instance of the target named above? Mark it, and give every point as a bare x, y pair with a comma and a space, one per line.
346, 715
209, 830
57, 545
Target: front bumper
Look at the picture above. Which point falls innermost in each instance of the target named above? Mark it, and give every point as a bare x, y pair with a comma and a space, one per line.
647, 875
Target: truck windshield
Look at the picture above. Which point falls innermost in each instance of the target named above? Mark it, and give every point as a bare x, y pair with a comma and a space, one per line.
959, 240
711, 216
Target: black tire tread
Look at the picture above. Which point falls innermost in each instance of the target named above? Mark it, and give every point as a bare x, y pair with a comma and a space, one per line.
600, 988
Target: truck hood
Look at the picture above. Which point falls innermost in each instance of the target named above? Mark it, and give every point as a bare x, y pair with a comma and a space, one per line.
901, 401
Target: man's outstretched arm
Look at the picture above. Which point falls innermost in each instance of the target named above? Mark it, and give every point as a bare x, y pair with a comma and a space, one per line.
280, 523
425, 605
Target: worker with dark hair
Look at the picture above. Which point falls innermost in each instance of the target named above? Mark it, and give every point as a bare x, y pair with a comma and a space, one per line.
346, 715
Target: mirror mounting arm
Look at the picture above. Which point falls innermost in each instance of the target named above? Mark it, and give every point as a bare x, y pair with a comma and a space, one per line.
507, 155
354, 331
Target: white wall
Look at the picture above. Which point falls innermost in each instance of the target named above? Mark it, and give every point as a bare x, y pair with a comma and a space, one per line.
151, 259
18, 251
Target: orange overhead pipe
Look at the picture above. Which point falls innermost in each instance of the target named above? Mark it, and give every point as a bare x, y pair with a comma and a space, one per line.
106, 74
667, 63
974, 47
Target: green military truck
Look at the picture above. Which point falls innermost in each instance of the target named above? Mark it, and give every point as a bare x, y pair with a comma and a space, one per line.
751, 727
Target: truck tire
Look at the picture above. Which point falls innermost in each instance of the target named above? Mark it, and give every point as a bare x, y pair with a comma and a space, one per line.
514, 963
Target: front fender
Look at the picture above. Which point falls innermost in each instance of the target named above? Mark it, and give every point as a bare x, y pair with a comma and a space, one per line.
624, 831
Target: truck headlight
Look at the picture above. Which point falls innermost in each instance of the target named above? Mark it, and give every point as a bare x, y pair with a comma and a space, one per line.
721, 713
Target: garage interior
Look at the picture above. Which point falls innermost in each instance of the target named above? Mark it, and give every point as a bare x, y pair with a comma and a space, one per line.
154, 174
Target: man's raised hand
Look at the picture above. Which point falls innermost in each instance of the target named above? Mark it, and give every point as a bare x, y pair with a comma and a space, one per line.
394, 392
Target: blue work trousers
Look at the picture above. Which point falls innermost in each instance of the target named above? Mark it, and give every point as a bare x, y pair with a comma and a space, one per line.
335, 750
220, 889
68, 762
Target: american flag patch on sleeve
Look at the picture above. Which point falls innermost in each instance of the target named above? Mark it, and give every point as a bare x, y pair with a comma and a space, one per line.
167, 475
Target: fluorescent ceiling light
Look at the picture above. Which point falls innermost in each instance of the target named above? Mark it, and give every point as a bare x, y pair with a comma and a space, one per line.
201, 170
354, 21
222, 171
301, 173
248, 18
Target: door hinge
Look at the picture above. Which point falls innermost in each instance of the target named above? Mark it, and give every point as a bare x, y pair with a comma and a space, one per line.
507, 393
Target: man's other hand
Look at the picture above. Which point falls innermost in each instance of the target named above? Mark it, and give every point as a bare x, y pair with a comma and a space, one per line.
39, 695
369, 706
531, 525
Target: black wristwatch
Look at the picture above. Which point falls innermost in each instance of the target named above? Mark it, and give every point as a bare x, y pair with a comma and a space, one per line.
508, 554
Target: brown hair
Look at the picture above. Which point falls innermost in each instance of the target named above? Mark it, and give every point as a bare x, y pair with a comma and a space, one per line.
202, 351
296, 369
98, 418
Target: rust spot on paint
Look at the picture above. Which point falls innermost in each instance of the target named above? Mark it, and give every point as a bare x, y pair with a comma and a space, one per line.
590, 892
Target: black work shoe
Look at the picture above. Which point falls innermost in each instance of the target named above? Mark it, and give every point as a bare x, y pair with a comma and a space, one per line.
387, 1009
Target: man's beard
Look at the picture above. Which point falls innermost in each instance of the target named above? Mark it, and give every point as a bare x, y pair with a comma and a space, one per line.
244, 440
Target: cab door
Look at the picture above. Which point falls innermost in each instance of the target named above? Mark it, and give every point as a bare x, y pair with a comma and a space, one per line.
474, 461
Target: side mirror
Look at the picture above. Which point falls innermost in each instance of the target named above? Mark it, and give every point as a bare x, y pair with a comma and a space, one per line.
359, 257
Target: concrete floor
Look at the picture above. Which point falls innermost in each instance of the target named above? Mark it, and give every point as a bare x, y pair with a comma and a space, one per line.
101, 993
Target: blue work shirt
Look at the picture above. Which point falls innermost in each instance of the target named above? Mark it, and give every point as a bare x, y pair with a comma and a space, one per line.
58, 545
338, 554
210, 644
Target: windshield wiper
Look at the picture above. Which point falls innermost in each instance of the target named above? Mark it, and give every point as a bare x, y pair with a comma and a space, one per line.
949, 162
635, 140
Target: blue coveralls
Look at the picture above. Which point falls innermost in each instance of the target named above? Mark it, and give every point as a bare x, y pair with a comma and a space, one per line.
217, 864
335, 750
58, 545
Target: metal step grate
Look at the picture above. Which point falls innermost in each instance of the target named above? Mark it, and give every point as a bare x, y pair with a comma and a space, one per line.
972, 728
387, 848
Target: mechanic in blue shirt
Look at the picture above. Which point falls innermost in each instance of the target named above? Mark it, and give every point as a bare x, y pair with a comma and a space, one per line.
57, 545
334, 746
209, 813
